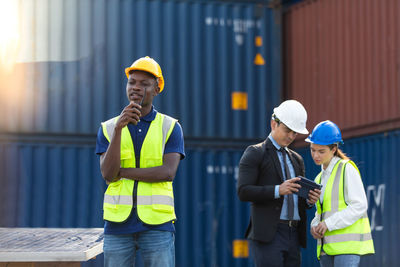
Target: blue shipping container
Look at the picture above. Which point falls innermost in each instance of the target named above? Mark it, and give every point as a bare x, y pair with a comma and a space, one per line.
70, 75
59, 185
50, 185
376, 157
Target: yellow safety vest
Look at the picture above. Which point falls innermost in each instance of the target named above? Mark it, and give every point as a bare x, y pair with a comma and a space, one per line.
154, 201
354, 239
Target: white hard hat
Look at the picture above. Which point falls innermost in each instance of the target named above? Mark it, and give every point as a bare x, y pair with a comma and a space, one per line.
293, 115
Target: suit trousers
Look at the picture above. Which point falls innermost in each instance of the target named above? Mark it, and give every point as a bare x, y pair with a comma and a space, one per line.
282, 251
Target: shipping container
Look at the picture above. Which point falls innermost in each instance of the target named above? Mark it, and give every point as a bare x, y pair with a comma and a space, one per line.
377, 159
341, 61
221, 61
52, 182
50, 185
59, 185
210, 215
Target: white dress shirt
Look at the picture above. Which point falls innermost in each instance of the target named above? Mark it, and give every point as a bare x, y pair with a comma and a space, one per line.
354, 196
284, 210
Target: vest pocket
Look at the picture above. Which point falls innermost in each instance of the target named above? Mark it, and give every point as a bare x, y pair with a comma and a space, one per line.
161, 188
163, 208
153, 162
119, 193
127, 160
162, 197
114, 188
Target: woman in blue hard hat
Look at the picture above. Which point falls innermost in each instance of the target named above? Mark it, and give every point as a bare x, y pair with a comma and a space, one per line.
341, 224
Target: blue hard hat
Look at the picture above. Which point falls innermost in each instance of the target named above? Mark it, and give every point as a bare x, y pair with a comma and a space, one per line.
325, 133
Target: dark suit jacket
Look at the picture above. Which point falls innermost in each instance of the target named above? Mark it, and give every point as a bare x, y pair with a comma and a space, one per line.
259, 172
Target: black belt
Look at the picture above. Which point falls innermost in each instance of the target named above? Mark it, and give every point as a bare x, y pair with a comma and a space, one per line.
290, 223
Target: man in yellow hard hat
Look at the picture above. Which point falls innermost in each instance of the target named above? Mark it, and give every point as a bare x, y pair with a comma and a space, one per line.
140, 151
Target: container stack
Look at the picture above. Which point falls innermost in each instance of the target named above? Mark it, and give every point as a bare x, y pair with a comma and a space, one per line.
226, 65
341, 61
221, 61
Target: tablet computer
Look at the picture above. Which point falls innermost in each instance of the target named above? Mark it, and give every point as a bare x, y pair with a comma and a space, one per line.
306, 186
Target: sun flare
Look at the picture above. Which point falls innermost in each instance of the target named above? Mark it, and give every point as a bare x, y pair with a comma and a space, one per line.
9, 33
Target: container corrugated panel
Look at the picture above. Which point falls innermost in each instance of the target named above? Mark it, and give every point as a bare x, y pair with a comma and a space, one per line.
50, 185
59, 185
210, 215
70, 75
341, 62
377, 159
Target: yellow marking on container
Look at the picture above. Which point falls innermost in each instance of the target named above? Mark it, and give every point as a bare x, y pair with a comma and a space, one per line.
240, 248
259, 60
258, 41
239, 101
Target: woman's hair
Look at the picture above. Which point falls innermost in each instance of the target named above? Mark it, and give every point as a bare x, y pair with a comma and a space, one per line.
339, 153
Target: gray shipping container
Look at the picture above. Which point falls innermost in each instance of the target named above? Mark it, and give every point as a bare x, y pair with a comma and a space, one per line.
69, 74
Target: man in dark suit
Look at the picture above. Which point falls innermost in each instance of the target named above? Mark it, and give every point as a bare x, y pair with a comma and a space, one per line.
268, 173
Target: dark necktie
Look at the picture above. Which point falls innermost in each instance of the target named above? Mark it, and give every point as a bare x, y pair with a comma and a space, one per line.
290, 203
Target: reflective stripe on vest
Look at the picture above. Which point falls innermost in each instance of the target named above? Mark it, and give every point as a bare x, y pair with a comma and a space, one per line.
347, 237
156, 199
118, 200
155, 202
333, 184
143, 200
354, 239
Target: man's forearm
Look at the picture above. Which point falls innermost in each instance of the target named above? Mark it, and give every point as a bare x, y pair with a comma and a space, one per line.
150, 175
256, 193
110, 161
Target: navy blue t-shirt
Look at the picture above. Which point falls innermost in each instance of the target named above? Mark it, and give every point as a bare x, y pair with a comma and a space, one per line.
175, 144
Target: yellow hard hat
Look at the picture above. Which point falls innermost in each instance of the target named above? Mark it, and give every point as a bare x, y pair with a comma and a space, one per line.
149, 65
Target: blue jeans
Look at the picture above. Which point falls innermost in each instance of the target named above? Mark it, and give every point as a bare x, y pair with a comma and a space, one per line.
340, 260
156, 247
